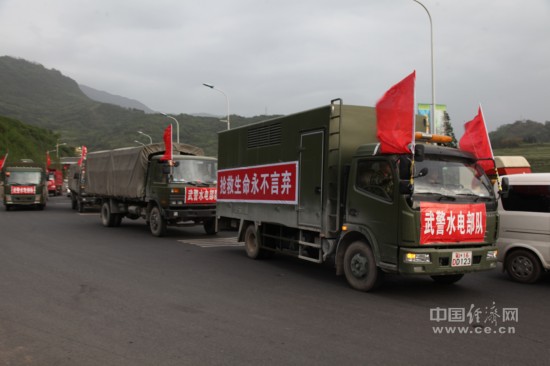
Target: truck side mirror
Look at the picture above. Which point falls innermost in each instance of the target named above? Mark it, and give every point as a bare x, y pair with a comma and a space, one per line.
419, 152
423, 172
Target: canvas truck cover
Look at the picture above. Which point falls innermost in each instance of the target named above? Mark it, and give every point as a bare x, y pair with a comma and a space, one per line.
123, 172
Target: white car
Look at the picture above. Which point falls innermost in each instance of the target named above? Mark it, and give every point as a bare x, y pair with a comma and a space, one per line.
524, 231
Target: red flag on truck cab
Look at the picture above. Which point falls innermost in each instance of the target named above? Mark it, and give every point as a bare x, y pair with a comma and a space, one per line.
83, 153
168, 144
3, 161
395, 117
476, 141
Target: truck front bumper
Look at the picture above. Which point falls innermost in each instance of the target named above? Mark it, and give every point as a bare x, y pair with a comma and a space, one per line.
12, 199
432, 261
189, 214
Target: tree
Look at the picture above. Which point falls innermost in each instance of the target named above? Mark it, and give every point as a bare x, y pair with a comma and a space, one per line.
448, 129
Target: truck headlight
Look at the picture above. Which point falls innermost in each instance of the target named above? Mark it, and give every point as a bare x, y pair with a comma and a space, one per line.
492, 255
417, 258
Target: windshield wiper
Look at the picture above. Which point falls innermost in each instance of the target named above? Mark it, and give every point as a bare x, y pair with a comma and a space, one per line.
198, 183
477, 197
441, 196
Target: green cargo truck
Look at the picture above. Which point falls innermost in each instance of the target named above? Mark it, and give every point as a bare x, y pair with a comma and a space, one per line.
24, 185
313, 185
135, 182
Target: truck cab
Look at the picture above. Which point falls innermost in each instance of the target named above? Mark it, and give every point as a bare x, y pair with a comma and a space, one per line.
446, 212
24, 186
184, 191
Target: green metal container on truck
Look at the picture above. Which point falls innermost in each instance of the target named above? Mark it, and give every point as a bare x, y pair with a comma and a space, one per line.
313, 185
136, 183
24, 185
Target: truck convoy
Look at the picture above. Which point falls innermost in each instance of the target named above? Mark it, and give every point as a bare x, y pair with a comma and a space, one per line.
135, 182
24, 185
314, 185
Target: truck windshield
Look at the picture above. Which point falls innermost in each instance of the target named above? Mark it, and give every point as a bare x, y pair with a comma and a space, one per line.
451, 178
24, 178
195, 171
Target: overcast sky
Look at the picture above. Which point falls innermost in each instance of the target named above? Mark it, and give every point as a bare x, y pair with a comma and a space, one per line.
285, 56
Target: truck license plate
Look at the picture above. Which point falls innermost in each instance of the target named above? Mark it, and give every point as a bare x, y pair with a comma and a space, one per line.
461, 259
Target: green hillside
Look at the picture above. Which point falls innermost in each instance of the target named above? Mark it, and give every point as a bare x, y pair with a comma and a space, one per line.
27, 142
45, 98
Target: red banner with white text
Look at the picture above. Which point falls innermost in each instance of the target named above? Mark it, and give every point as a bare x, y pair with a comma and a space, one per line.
200, 195
452, 223
272, 183
23, 190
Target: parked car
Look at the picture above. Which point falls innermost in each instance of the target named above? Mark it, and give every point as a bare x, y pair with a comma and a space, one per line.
524, 232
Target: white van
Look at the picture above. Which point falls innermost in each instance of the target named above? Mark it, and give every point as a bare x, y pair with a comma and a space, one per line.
524, 232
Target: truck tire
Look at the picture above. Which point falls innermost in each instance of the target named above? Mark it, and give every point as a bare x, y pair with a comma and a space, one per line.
523, 266
447, 279
251, 243
360, 267
210, 226
107, 217
118, 220
157, 223
79, 206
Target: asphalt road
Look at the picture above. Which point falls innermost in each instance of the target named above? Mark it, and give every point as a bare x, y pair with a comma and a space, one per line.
73, 292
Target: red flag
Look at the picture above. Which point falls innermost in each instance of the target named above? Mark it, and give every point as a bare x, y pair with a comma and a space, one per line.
48, 160
167, 143
476, 141
3, 161
395, 117
83, 153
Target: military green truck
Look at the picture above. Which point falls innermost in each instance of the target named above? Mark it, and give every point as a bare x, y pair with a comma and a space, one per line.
313, 185
24, 185
136, 182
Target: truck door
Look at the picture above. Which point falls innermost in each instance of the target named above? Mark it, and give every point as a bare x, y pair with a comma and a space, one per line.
311, 179
372, 203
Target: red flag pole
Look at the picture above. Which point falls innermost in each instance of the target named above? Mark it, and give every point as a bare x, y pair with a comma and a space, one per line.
490, 148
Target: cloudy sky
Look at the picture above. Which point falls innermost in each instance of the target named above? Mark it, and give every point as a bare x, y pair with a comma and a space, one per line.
285, 56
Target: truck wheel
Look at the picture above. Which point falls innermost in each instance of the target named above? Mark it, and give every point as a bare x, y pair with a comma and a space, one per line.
523, 266
8, 207
107, 218
447, 279
157, 224
210, 226
360, 267
251, 243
